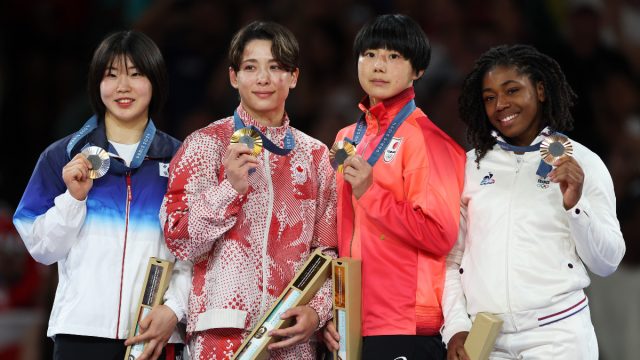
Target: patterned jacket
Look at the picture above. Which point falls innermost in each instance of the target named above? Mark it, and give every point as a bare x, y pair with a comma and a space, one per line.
247, 248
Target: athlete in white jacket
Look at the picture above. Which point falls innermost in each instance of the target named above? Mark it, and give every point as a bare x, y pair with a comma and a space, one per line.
526, 236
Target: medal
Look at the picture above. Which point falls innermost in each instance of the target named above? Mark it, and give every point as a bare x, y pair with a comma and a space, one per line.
249, 137
339, 152
99, 160
554, 147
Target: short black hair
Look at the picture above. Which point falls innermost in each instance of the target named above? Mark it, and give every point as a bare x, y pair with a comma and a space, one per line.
527, 60
284, 45
395, 32
142, 52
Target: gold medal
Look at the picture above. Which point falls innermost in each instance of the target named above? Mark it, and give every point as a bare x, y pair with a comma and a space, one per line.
339, 152
554, 147
99, 160
249, 137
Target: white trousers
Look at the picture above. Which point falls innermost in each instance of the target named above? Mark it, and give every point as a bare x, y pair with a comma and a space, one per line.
567, 339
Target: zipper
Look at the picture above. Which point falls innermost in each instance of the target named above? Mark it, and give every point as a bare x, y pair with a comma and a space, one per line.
265, 240
124, 248
519, 162
364, 149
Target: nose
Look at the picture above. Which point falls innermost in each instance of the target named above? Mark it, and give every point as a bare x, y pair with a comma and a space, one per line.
502, 103
379, 63
263, 76
123, 83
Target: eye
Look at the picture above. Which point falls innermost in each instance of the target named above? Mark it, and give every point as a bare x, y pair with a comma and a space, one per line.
394, 56
248, 67
513, 90
369, 54
135, 74
488, 98
276, 67
109, 74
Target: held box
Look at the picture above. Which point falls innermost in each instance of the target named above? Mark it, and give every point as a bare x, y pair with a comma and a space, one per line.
347, 295
300, 290
155, 284
482, 337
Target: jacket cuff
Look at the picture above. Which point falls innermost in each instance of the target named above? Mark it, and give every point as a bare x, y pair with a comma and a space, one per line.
448, 330
178, 310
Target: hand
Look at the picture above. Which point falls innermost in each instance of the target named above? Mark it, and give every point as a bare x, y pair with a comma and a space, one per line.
156, 328
358, 173
237, 163
76, 176
455, 348
569, 175
331, 336
306, 322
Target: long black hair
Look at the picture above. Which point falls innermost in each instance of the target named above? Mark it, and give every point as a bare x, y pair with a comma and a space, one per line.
527, 60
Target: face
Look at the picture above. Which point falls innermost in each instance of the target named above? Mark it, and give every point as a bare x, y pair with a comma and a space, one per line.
263, 83
513, 104
384, 73
125, 92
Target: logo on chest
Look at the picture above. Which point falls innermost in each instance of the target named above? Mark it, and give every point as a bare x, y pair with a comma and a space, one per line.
299, 173
392, 149
163, 169
543, 183
488, 179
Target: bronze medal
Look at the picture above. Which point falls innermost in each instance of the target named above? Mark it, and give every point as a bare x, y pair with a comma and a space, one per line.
554, 147
99, 160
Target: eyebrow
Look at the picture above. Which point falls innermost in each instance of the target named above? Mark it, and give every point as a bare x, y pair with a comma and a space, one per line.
502, 84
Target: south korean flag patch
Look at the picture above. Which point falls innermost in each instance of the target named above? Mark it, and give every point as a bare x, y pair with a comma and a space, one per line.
164, 169
392, 149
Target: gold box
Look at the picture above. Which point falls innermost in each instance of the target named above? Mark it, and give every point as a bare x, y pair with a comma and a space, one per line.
155, 284
482, 337
347, 302
301, 289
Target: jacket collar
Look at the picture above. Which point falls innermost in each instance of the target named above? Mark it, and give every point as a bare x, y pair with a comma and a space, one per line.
382, 114
275, 133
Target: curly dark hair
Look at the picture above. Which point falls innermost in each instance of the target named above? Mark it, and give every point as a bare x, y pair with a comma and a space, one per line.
559, 97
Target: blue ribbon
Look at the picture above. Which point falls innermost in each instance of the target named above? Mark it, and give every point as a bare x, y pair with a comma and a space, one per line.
141, 151
543, 168
361, 128
289, 141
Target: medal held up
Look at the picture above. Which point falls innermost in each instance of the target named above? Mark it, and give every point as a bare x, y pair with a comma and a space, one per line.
339, 152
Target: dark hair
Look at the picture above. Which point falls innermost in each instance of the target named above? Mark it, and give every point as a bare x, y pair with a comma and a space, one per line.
395, 32
284, 46
528, 61
142, 52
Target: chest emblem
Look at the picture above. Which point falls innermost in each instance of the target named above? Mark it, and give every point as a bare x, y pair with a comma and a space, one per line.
163, 169
488, 179
299, 173
543, 183
392, 149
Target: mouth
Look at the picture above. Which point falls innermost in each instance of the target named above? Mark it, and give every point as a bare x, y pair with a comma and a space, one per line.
263, 94
507, 120
124, 102
378, 82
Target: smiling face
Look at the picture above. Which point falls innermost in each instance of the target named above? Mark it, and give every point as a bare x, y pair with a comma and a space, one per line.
263, 83
513, 104
125, 92
384, 73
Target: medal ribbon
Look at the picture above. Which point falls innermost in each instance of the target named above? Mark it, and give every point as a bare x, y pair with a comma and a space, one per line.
289, 141
141, 151
543, 169
361, 128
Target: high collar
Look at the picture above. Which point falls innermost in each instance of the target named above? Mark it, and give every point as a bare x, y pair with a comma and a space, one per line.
541, 136
379, 116
248, 120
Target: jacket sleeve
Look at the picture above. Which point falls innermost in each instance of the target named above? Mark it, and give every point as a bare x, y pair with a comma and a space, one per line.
593, 221
325, 234
48, 218
454, 303
198, 208
428, 216
177, 295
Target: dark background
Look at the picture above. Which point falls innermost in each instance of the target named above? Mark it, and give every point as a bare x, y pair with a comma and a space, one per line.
46, 45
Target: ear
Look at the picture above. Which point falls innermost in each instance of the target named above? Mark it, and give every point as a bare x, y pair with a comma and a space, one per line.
540, 91
233, 77
417, 75
294, 78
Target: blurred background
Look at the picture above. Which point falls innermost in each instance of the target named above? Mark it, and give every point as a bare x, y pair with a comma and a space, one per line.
46, 45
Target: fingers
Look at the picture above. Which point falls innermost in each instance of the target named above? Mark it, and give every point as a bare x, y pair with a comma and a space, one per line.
331, 336
285, 342
567, 169
150, 350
